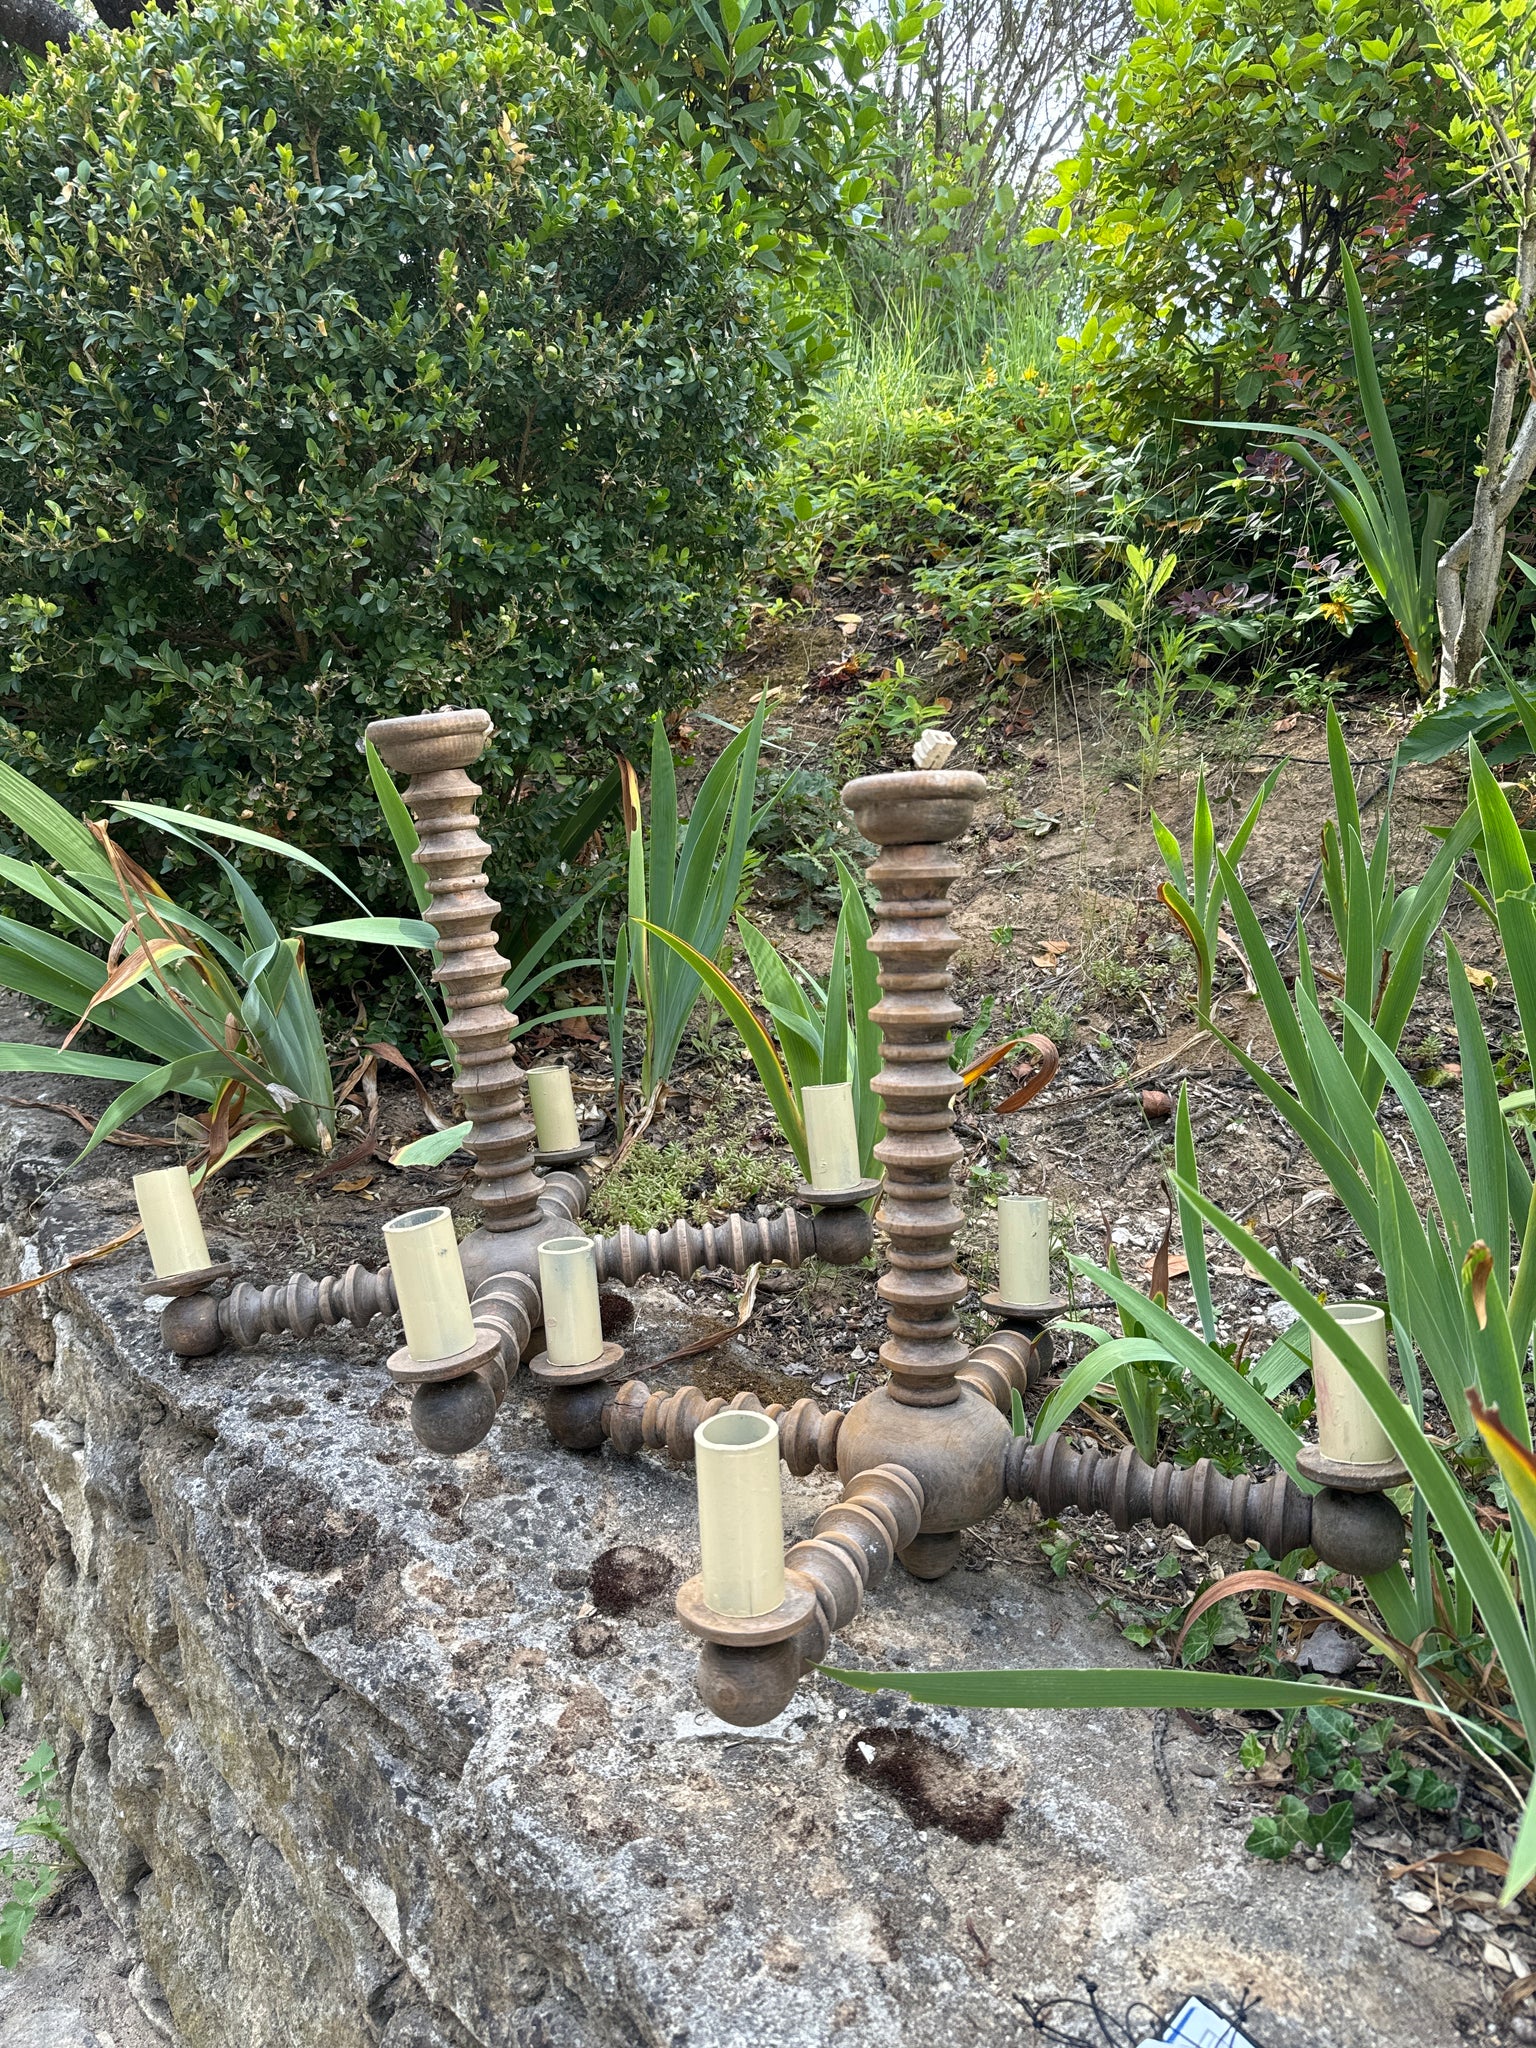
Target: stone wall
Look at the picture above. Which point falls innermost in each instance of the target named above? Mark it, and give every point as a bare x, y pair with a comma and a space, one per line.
365, 1746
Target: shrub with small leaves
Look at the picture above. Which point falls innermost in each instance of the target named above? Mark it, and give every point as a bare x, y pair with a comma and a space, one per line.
357, 361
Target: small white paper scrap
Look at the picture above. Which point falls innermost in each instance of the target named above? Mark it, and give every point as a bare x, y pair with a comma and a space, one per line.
933, 748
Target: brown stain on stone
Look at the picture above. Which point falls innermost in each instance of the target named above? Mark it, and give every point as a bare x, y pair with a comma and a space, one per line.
618, 1314
299, 1528
592, 1638
934, 1787
628, 1577
583, 1723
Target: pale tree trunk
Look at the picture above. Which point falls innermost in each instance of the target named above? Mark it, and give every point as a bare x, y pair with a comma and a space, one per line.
1467, 581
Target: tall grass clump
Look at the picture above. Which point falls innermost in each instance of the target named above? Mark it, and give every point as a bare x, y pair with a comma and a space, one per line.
912, 351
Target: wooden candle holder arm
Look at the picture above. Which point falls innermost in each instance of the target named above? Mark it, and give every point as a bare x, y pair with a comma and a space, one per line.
510, 1306
565, 1192
851, 1548
749, 1667
448, 1416
1009, 1361
451, 1416
840, 1236
633, 1419
1357, 1533
199, 1324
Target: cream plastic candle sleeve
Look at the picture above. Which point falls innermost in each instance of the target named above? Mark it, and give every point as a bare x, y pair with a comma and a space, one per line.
173, 1229
741, 1512
429, 1284
554, 1109
1024, 1249
1347, 1431
831, 1134
573, 1323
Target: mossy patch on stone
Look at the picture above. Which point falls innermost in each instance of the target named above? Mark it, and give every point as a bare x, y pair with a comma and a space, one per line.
700, 1178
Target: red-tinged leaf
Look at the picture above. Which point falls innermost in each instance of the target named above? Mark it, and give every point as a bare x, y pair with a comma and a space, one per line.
1476, 1270
125, 868
223, 1120
344, 1162
86, 1123
346, 1089
985, 1062
629, 797
1158, 1289
1044, 1074
127, 974
392, 1056
1517, 1466
99, 1251
1190, 929
1458, 1859
1273, 1582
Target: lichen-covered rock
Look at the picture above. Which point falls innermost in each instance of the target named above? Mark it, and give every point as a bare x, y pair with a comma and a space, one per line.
365, 1746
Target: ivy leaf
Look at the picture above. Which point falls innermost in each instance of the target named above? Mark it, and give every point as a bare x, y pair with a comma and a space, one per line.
1331, 1833
1267, 1838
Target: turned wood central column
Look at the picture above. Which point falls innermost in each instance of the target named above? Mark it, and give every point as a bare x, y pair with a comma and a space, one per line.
434, 750
911, 817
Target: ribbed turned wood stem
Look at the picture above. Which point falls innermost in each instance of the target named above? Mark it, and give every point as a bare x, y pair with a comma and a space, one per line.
434, 751
1196, 1498
910, 817
852, 1548
635, 1419
301, 1305
840, 1236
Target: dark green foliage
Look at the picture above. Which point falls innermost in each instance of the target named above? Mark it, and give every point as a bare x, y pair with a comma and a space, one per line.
31, 1867
1239, 149
804, 828
1014, 524
1274, 1836
775, 101
1326, 1750
356, 363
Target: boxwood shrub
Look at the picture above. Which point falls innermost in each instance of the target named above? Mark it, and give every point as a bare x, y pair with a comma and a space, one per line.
354, 361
